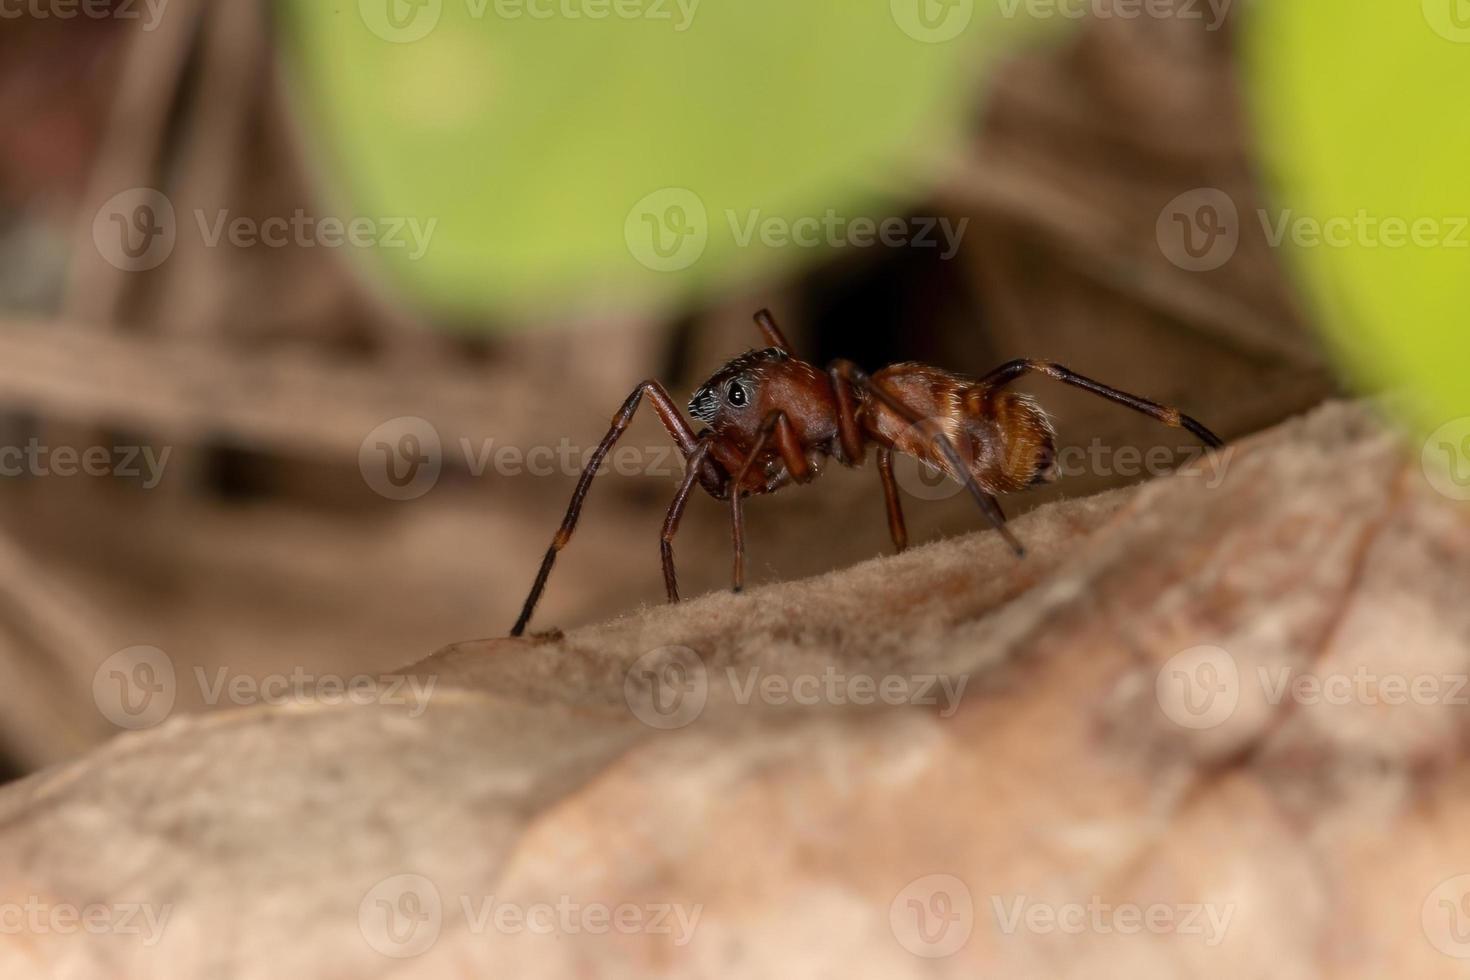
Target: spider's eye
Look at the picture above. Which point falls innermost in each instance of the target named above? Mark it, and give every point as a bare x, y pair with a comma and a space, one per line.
739, 396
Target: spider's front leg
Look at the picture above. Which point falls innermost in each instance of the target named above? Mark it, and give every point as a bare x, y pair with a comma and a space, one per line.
766, 323
674, 422
694, 471
776, 425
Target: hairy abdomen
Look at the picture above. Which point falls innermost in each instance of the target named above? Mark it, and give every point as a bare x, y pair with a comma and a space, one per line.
1003, 438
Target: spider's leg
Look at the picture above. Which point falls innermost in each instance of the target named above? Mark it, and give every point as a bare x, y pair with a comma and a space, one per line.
1171, 417
771, 332
669, 415
676, 513
853, 375
778, 425
896, 527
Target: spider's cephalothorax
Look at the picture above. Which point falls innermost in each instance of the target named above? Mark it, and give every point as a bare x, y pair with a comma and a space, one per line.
740, 399
733, 387
772, 419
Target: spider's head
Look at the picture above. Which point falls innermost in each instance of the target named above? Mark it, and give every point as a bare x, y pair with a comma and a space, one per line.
730, 399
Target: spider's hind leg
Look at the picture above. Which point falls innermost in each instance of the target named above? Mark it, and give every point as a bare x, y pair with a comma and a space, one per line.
1171, 417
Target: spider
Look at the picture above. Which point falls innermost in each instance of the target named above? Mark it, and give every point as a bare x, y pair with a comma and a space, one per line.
772, 419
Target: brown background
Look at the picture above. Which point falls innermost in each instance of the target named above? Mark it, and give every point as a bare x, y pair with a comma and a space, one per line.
264, 370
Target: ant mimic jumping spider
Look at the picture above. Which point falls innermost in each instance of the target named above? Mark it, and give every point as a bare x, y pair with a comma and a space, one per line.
772, 419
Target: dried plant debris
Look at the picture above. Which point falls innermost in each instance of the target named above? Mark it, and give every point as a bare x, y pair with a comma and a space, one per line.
1211, 726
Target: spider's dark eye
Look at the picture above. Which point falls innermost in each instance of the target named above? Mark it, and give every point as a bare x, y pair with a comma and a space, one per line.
738, 395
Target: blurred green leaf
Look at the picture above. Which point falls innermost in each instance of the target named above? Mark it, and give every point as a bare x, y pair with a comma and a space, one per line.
623, 153
1363, 114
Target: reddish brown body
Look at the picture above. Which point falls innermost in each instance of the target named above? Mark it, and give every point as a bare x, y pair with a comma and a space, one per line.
1004, 439
772, 419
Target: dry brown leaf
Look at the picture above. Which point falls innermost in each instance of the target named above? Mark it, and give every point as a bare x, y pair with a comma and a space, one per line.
1119, 788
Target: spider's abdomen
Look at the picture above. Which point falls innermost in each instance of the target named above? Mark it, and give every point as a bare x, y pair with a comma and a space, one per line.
1017, 445
1003, 438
